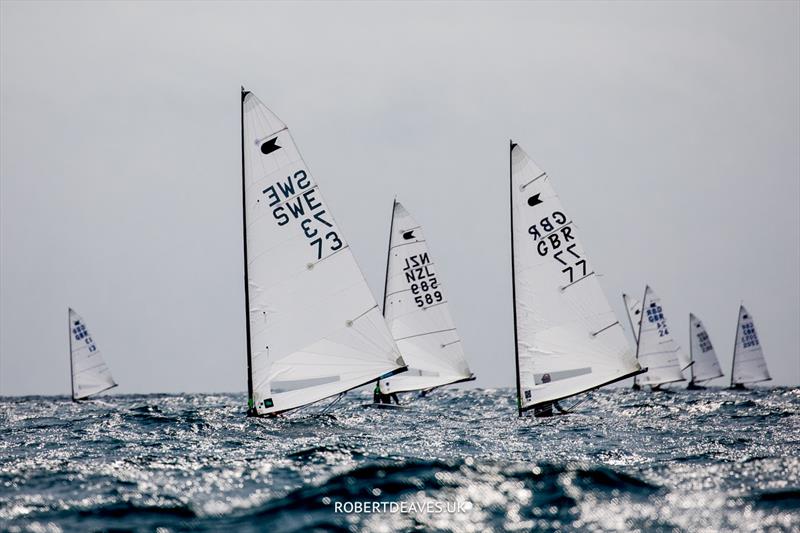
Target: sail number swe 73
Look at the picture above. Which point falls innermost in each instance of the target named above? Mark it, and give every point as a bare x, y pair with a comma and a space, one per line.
296, 199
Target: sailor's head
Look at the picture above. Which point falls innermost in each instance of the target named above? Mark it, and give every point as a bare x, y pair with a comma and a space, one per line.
546, 378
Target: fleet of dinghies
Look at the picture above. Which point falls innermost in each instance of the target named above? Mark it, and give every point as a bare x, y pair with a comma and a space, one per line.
314, 330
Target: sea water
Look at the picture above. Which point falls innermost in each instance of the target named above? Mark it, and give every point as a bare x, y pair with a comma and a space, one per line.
456, 460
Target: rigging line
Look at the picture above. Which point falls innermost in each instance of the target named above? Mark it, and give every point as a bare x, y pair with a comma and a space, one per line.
397, 292
318, 261
576, 404
407, 243
423, 334
433, 305
449, 343
534, 179
596, 333
364, 313
334, 402
565, 287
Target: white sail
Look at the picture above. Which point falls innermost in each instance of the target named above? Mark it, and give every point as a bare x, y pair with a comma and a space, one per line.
634, 309
749, 365
568, 339
314, 327
416, 309
90, 375
705, 364
656, 349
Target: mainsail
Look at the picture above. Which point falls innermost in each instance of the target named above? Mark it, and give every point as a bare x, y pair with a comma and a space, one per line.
90, 375
749, 365
313, 327
656, 349
705, 364
416, 309
567, 338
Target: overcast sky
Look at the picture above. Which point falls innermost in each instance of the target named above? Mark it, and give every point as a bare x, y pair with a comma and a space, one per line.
671, 131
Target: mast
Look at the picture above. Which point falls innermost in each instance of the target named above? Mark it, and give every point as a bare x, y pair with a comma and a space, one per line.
735, 341
691, 352
69, 338
388, 255
513, 275
250, 407
634, 333
641, 321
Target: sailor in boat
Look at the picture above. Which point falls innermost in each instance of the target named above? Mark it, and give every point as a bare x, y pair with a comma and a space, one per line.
380, 397
546, 408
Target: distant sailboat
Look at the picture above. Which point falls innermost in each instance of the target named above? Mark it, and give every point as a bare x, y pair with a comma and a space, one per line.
748, 365
705, 365
634, 309
314, 329
416, 310
89, 373
655, 347
567, 339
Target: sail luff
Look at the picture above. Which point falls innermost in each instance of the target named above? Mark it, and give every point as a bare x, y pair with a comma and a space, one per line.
513, 272
388, 256
250, 400
736, 343
69, 344
691, 351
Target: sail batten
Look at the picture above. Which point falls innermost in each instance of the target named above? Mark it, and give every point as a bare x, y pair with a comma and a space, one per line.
89, 373
314, 329
568, 340
748, 365
415, 307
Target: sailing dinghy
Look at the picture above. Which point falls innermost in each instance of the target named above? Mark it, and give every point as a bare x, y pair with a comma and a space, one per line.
655, 346
89, 372
749, 365
567, 338
634, 308
416, 310
314, 329
705, 365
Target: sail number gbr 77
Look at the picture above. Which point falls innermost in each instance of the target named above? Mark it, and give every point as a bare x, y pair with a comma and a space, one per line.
553, 234
295, 199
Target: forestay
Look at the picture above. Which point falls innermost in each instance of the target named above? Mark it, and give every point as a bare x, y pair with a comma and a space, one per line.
416, 309
568, 339
705, 364
90, 374
749, 365
314, 327
656, 348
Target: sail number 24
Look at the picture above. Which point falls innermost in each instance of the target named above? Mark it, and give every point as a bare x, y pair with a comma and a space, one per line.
295, 199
